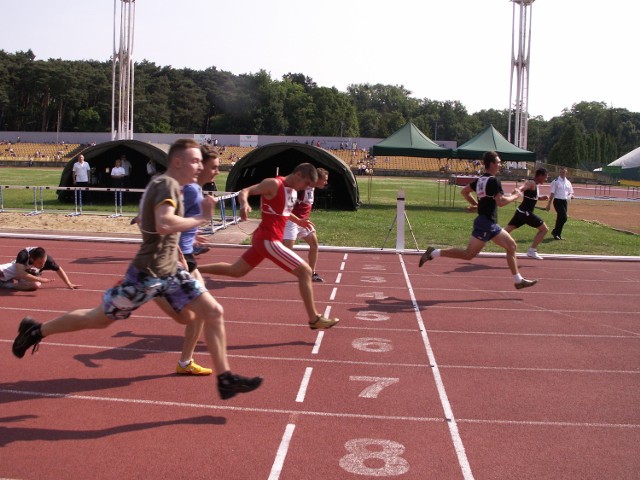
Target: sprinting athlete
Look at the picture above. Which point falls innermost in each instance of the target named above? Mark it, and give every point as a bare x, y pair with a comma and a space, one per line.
277, 198
302, 209
524, 214
490, 196
155, 272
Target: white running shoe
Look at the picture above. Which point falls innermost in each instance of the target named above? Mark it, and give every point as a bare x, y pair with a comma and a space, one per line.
533, 253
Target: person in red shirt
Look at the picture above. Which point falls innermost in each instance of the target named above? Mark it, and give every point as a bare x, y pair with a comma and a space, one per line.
302, 209
277, 199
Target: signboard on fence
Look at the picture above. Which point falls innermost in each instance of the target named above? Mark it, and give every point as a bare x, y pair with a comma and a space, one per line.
248, 140
612, 170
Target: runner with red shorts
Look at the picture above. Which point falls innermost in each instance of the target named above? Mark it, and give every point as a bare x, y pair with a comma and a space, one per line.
277, 199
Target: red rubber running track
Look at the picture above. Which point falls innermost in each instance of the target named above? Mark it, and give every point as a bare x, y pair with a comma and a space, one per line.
441, 372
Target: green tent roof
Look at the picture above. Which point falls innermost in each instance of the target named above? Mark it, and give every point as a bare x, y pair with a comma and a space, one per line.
409, 141
489, 140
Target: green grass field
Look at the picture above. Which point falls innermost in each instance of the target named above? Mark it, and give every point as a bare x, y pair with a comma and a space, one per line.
434, 219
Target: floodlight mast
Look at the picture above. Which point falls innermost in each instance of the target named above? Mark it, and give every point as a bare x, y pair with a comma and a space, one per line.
123, 70
520, 62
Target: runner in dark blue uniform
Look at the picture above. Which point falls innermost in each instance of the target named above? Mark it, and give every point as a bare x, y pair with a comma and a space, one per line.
490, 196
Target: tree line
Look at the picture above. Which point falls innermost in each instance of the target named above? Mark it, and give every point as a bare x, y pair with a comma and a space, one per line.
63, 95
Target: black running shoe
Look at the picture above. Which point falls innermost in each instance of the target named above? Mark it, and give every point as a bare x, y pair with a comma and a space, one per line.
229, 385
316, 278
28, 336
426, 256
200, 250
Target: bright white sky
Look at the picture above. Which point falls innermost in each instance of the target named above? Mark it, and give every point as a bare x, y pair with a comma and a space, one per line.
437, 49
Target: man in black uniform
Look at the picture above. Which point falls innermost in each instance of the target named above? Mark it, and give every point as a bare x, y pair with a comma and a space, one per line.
490, 196
524, 213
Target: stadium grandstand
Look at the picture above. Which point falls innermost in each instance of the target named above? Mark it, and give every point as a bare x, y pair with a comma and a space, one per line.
360, 161
38, 152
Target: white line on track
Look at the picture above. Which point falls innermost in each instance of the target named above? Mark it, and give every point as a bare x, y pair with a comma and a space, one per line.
463, 461
333, 294
310, 413
337, 362
302, 392
316, 346
338, 278
276, 469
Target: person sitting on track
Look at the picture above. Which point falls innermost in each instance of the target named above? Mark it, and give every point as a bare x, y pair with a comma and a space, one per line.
155, 272
302, 209
278, 196
524, 213
24, 273
490, 196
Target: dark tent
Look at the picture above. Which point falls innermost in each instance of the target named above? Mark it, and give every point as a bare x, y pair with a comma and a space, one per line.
101, 159
282, 158
488, 140
409, 141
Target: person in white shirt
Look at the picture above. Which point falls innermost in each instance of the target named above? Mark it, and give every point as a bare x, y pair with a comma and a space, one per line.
561, 194
81, 172
81, 175
117, 175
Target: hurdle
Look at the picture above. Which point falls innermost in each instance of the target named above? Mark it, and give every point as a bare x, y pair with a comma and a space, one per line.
118, 203
77, 202
602, 190
35, 210
633, 192
225, 220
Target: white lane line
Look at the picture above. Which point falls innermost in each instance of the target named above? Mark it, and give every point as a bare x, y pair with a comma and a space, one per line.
276, 469
333, 293
311, 413
338, 278
316, 346
458, 446
342, 266
304, 384
346, 255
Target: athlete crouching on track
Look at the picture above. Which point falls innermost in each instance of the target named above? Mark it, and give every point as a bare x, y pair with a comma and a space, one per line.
155, 272
278, 196
24, 273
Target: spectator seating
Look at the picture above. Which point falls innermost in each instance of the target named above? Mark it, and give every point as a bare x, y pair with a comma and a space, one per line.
39, 152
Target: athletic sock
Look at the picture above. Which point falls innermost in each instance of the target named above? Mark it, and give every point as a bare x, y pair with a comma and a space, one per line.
435, 253
184, 364
517, 277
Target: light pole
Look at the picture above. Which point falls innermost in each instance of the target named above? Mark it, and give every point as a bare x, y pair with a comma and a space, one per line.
520, 53
123, 70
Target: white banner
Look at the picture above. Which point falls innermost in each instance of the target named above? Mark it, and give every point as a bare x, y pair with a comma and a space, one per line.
248, 140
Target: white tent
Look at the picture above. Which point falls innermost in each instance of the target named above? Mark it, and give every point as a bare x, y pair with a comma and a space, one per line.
629, 160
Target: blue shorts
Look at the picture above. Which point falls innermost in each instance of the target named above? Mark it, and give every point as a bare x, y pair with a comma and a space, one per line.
138, 288
485, 229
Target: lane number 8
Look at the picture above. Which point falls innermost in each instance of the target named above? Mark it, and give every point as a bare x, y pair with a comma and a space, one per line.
374, 457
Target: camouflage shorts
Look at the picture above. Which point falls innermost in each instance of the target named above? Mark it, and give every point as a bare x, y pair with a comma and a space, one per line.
138, 288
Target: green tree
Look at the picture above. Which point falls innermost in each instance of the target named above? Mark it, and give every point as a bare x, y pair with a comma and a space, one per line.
571, 149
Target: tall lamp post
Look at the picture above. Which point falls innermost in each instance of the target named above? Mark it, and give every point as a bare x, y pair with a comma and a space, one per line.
520, 54
123, 70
